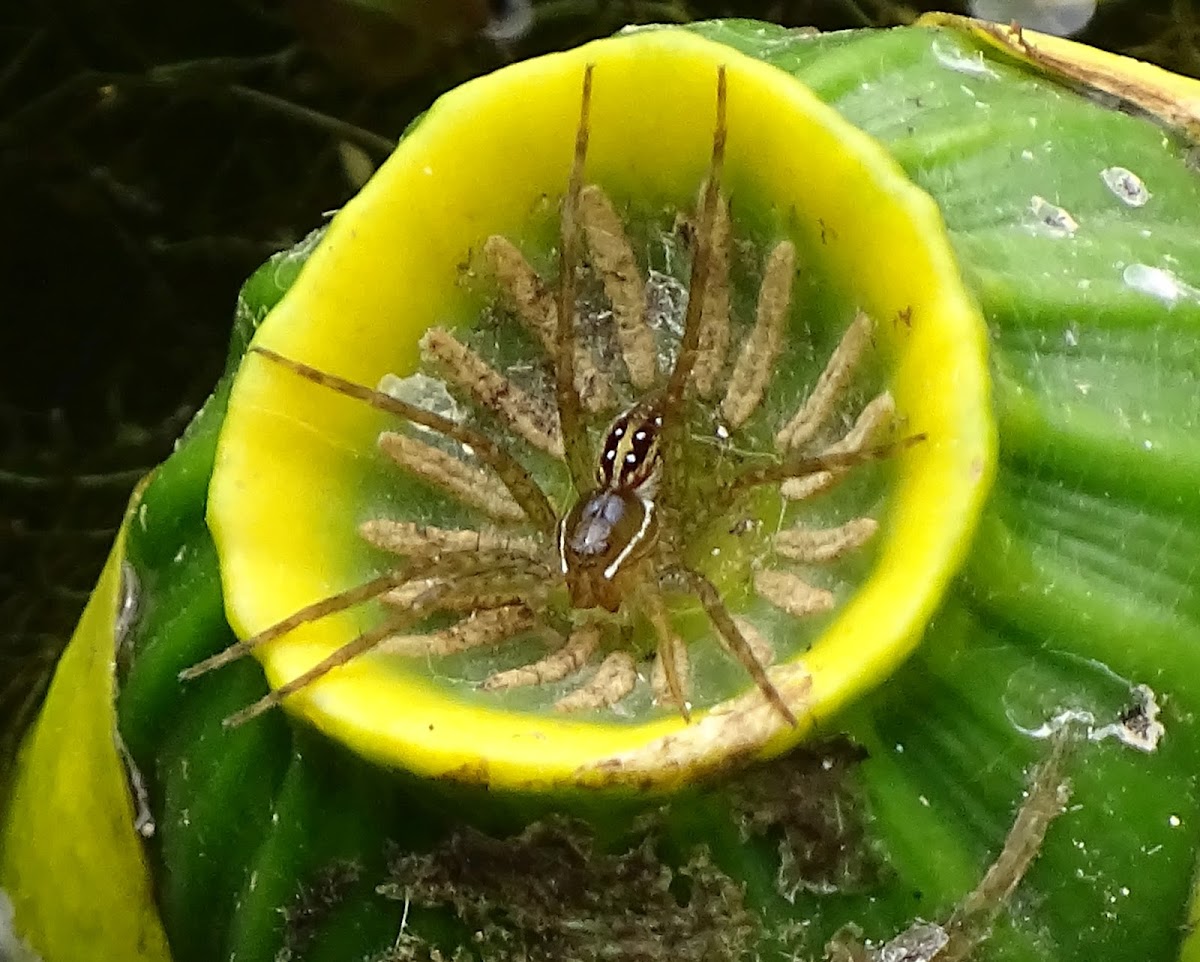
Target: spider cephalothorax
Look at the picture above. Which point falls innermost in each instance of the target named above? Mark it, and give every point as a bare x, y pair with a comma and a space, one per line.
611, 529
619, 545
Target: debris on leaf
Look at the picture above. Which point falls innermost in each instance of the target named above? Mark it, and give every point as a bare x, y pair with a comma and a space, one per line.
811, 803
550, 894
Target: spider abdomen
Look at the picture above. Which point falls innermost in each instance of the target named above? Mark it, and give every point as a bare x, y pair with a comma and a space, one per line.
605, 532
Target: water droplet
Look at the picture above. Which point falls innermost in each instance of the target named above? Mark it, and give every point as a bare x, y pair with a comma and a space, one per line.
1126, 185
128, 605
972, 63
1158, 282
1059, 17
423, 391
512, 20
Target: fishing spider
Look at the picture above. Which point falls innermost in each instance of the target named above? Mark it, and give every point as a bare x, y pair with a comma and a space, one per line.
620, 548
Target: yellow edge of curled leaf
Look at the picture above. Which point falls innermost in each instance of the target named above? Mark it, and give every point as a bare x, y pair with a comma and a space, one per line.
70, 858
483, 158
1172, 98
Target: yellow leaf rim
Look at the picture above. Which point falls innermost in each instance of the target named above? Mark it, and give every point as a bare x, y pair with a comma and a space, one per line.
484, 156
1172, 98
70, 858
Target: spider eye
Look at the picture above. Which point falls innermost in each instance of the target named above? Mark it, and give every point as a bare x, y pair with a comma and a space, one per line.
510, 20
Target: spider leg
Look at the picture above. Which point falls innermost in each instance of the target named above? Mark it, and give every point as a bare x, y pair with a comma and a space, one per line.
569, 407
490, 587
799, 467
516, 479
535, 307
530, 417
701, 264
441, 567
761, 648
469, 485
348, 652
670, 666
669, 678
870, 424
429, 601
317, 610
483, 627
719, 615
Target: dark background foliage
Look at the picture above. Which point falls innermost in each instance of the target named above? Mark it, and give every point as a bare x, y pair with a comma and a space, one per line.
153, 154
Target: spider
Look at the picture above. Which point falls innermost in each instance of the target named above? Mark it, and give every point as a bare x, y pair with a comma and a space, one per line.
619, 549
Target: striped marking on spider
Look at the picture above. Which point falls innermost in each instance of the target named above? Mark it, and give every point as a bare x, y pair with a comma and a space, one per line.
618, 550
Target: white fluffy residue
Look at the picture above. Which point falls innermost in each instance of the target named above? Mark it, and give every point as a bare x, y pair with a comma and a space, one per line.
12, 948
